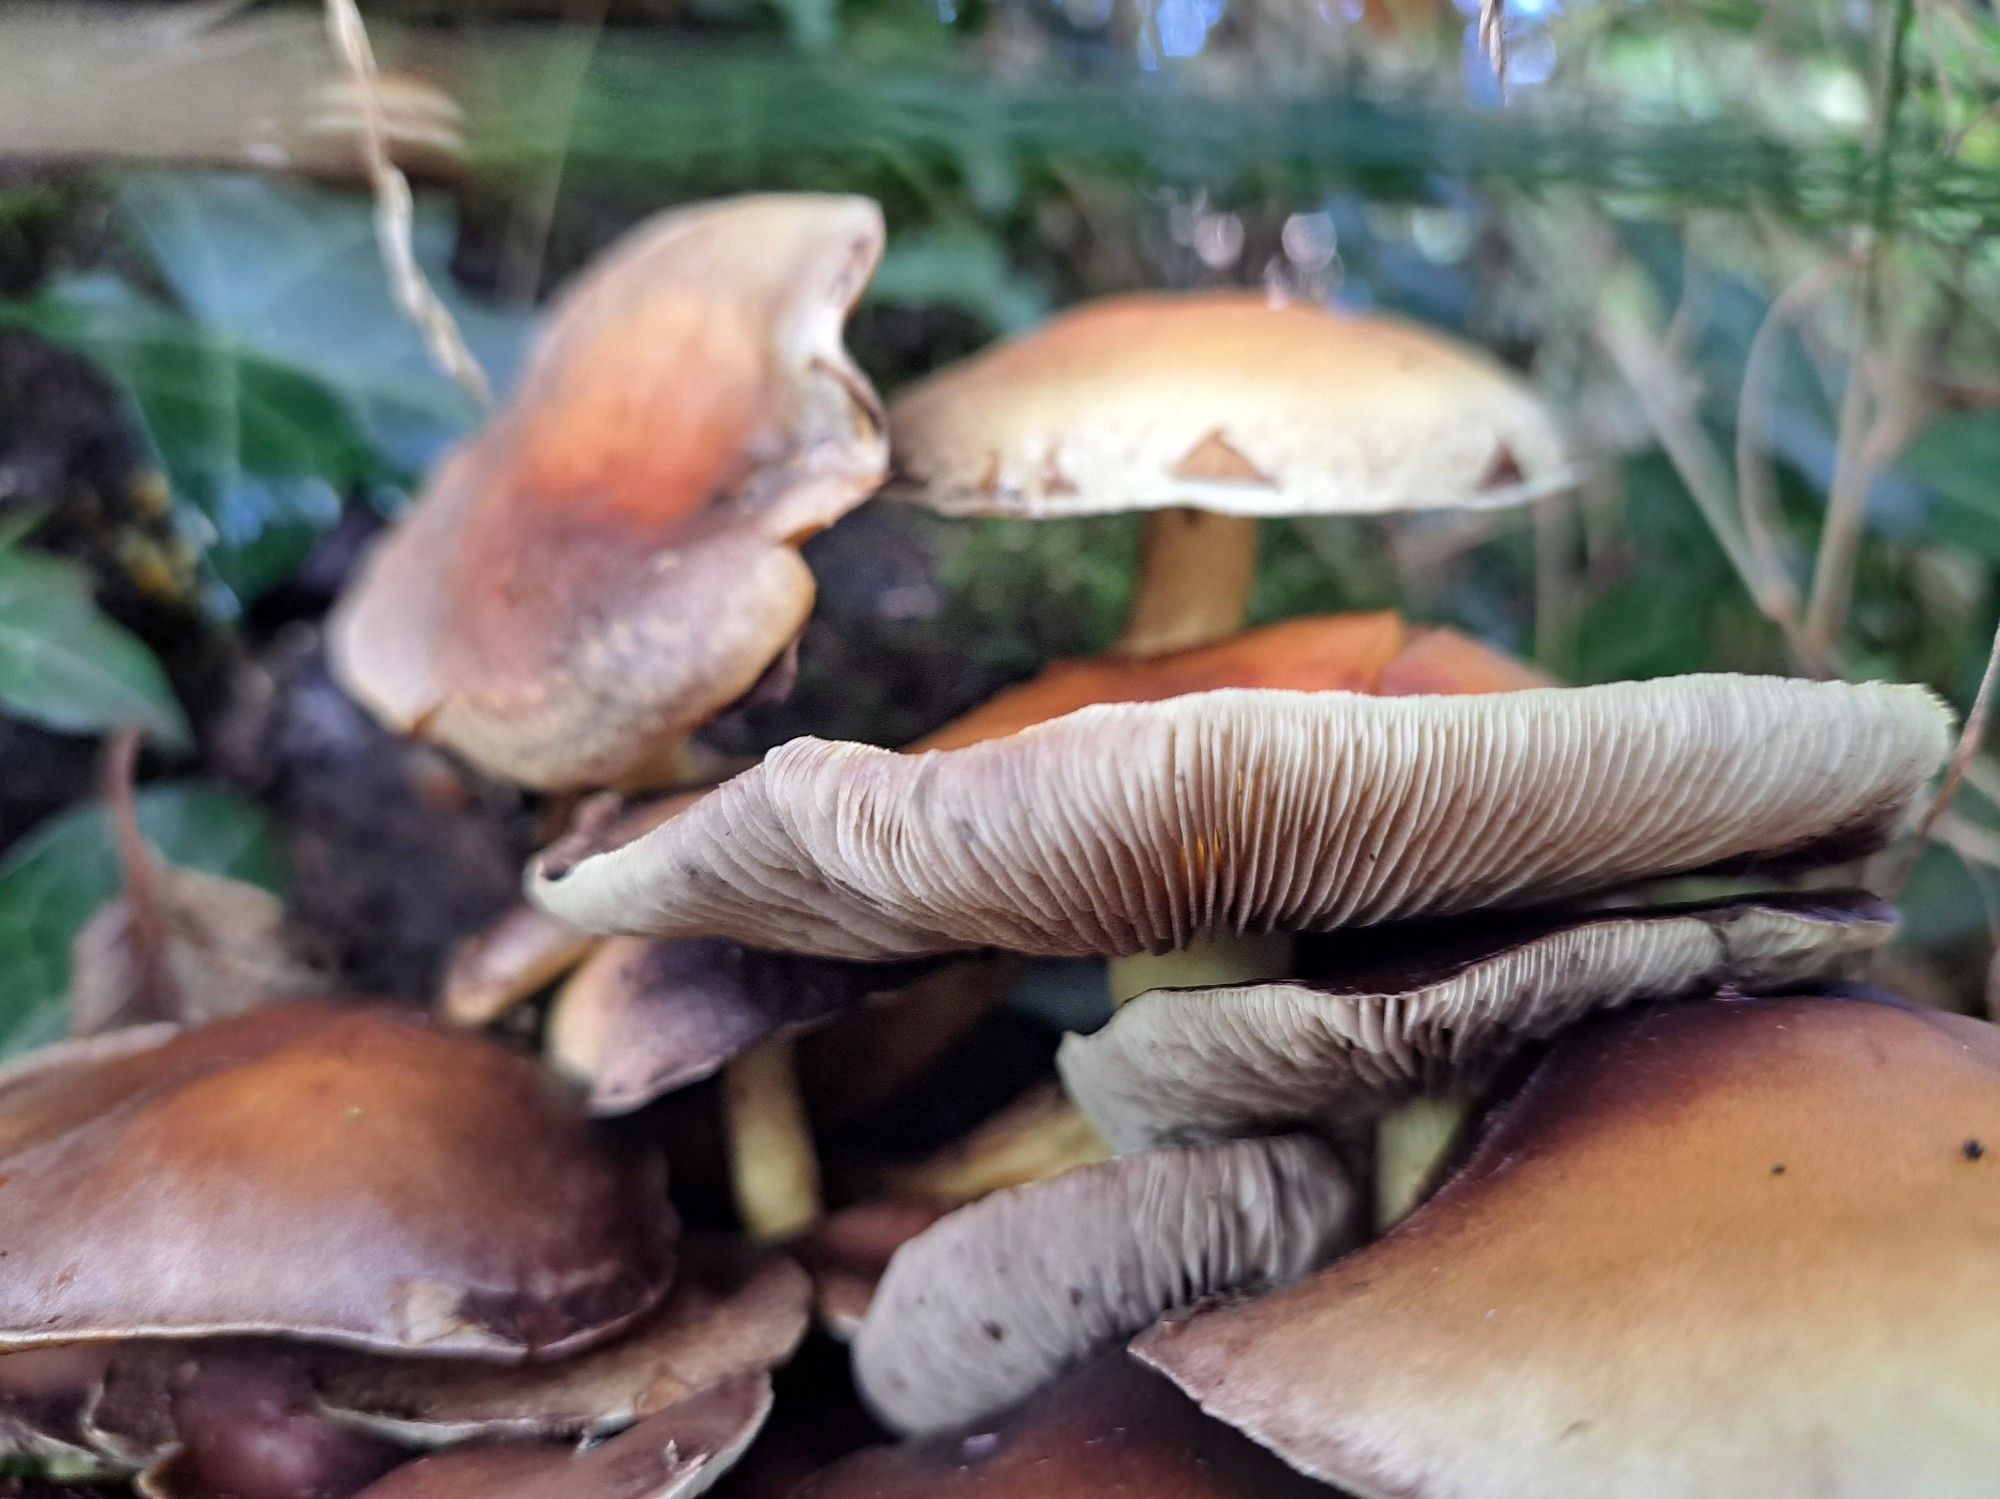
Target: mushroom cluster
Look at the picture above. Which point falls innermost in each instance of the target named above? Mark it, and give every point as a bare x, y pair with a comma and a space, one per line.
1347, 875
287, 1253
1483, 1100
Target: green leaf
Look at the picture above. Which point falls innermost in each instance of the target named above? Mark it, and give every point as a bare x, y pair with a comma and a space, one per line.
65, 665
1959, 456
293, 275
253, 448
56, 879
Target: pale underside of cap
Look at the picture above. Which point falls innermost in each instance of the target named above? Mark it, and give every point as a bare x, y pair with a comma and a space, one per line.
1443, 1014
613, 561
1227, 402
1735, 1250
1139, 827
978, 1311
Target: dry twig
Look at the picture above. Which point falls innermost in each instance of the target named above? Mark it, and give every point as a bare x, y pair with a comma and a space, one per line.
395, 211
1970, 738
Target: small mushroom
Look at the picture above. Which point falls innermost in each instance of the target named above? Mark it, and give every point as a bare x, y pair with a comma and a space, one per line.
1111, 1427
641, 1018
1436, 1008
677, 1454
1210, 409
347, 1173
1142, 826
515, 958
614, 561
1733, 1250
1040, 1134
999, 1297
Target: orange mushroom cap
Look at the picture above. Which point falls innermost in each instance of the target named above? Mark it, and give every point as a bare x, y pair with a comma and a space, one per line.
614, 560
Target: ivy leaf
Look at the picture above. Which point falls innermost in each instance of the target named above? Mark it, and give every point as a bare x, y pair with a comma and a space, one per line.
65, 665
293, 275
54, 880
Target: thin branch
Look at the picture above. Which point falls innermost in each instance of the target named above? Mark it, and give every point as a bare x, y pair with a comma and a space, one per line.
1754, 490
1656, 386
1858, 451
395, 212
1970, 738
1493, 38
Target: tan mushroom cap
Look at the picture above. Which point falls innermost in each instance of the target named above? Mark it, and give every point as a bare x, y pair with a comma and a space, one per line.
980, 1310
677, 1454
1739, 1250
640, 1018
615, 560
346, 1173
1111, 1428
1136, 827
732, 1311
522, 952
1442, 1006
1222, 401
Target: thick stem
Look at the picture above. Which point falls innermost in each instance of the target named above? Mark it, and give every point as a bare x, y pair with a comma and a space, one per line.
773, 1166
1223, 958
1195, 572
1409, 1143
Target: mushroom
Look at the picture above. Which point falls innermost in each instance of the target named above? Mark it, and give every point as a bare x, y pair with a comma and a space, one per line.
1139, 827
994, 1300
614, 560
1209, 410
731, 1312
676, 1454
1109, 1428
1440, 1007
640, 1019
324, 1235
1039, 1134
1732, 1250
507, 963
346, 1173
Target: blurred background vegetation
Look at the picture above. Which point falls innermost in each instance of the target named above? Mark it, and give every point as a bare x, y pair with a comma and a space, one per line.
1748, 247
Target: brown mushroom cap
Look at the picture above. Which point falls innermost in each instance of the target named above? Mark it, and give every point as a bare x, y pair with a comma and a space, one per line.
614, 560
1111, 1428
522, 952
732, 1311
1375, 653
675, 1454
1136, 827
340, 1172
981, 1309
642, 1018
1439, 1006
1739, 1250
1222, 401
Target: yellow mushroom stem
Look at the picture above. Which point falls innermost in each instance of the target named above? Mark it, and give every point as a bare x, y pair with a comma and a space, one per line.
773, 1167
1409, 1144
1193, 588
1221, 958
